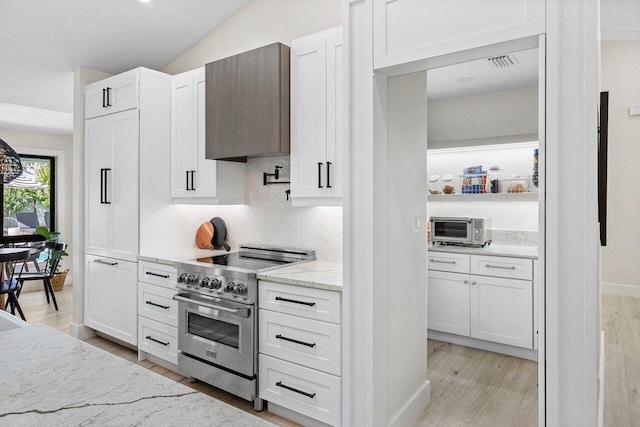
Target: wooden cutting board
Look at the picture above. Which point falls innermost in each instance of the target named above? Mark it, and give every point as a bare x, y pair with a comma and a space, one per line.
204, 236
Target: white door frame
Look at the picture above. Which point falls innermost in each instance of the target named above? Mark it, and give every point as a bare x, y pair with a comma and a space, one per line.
569, 245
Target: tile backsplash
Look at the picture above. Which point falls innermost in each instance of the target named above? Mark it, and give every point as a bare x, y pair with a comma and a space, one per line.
267, 218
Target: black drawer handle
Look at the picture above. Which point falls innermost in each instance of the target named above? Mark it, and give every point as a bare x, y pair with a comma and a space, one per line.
164, 276
319, 174
280, 337
310, 304
108, 97
329, 175
150, 338
155, 304
304, 393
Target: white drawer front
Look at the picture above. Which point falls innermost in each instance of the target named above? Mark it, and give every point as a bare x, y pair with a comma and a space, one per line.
157, 274
446, 261
511, 268
306, 342
307, 391
317, 304
122, 95
157, 303
158, 339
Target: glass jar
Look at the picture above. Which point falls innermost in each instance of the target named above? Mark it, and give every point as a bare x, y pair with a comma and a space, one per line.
496, 175
448, 184
435, 184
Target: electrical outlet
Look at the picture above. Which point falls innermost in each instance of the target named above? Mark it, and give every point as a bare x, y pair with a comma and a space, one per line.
634, 110
417, 223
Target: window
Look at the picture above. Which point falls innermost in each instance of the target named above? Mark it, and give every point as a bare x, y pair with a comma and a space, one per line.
29, 200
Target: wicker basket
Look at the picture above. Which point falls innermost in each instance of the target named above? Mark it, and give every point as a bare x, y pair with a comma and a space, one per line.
58, 280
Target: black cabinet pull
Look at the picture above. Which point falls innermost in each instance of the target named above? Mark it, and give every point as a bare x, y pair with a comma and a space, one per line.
193, 186
328, 174
310, 304
187, 184
151, 273
304, 393
155, 304
280, 337
104, 98
106, 186
102, 184
319, 174
150, 338
108, 97
101, 261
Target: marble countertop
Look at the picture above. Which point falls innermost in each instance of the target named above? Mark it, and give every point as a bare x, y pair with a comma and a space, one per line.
169, 258
515, 251
50, 378
313, 274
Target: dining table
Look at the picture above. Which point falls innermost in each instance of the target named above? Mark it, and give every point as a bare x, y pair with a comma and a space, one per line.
10, 255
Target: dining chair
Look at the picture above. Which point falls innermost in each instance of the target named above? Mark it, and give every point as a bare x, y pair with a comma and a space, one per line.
54, 252
11, 285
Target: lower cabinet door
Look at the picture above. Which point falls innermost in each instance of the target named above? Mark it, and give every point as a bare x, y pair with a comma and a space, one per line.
448, 302
502, 310
303, 390
158, 339
110, 293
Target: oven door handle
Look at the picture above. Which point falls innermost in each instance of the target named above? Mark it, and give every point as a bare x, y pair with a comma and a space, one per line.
240, 312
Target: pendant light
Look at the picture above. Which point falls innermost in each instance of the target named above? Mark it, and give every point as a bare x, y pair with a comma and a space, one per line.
10, 164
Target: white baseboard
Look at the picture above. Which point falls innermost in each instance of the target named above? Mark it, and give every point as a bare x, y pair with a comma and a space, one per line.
81, 332
621, 289
509, 350
414, 408
601, 383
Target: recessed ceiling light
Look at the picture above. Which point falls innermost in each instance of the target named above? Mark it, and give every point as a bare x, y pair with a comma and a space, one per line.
465, 79
145, 1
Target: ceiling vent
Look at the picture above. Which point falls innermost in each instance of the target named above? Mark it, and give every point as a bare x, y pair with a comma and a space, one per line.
503, 61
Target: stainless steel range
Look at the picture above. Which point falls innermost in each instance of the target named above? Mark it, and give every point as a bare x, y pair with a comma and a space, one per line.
218, 310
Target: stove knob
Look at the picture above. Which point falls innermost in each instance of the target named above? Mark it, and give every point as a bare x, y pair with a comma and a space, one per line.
182, 278
192, 279
229, 287
216, 284
205, 283
239, 289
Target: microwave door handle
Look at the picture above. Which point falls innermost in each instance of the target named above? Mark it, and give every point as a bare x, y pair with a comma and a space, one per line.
240, 312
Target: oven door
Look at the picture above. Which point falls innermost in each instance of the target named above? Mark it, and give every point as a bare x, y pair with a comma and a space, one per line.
217, 331
451, 230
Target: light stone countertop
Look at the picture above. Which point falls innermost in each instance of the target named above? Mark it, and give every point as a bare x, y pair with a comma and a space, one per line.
171, 258
312, 274
515, 251
50, 378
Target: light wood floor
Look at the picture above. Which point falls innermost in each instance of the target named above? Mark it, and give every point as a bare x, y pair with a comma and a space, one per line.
621, 324
468, 386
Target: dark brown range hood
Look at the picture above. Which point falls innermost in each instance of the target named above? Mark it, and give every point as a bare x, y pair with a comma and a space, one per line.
247, 105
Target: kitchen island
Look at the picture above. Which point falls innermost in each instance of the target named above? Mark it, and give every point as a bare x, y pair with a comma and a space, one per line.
50, 378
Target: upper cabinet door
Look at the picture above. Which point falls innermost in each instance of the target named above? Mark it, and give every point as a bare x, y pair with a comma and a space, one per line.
335, 116
309, 119
204, 180
112, 95
183, 135
411, 30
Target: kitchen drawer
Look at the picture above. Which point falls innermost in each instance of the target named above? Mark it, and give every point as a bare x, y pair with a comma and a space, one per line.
157, 274
122, 95
303, 390
317, 304
306, 342
157, 303
511, 268
158, 339
447, 261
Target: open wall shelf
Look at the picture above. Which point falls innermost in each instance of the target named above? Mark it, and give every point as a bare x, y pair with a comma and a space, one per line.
515, 197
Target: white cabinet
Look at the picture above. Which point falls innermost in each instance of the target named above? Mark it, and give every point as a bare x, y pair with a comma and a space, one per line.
157, 312
110, 297
411, 30
117, 93
194, 177
111, 220
488, 298
317, 119
127, 151
300, 345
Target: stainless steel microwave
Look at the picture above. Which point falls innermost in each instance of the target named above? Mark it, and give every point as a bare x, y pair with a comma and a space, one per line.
461, 231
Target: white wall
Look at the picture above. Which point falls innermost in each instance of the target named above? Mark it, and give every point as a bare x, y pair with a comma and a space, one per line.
620, 70
268, 218
507, 113
260, 23
60, 147
407, 254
